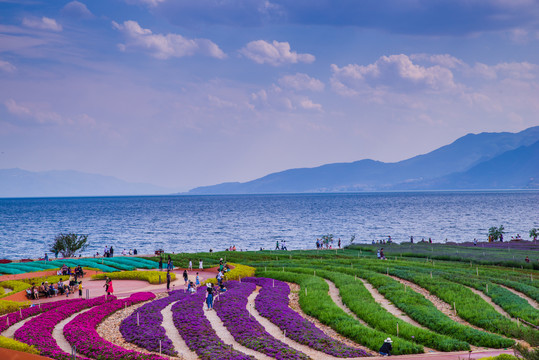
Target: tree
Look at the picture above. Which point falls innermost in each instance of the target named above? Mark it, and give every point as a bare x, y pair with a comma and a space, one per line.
326, 239
496, 233
69, 244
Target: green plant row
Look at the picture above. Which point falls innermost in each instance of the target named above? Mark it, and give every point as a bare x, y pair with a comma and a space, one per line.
150, 276
469, 306
513, 304
140, 263
8, 343
315, 301
360, 301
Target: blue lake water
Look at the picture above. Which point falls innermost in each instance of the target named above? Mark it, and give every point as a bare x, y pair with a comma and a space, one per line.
200, 223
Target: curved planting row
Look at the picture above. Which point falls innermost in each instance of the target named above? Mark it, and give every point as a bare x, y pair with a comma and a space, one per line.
425, 313
469, 306
143, 326
38, 331
81, 332
272, 303
315, 301
196, 330
232, 310
19, 315
360, 301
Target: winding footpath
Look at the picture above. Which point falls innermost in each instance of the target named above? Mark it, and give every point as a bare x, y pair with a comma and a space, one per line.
530, 301
492, 303
436, 301
388, 305
58, 333
334, 294
226, 336
172, 333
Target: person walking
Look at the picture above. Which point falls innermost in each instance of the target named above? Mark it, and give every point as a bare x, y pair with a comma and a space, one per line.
185, 276
200, 265
197, 281
209, 297
190, 267
80, 289
168, 279
160, 263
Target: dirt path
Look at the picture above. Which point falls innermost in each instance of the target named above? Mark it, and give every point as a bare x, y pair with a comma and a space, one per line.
277, 333
172, 332
388, 305
492, 303
58, 333
294, 305
10, 331
227, 338
530, 301
336, 297
436, 301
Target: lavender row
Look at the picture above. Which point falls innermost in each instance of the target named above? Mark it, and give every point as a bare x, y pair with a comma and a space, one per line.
272, 303
232, 309
19, 315
143, 327
81, 332
197, 332
38, 331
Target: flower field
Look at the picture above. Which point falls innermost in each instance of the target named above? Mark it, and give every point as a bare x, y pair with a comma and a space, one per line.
454, 285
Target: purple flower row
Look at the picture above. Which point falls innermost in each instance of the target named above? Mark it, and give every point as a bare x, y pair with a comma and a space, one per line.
81, 332
149, 330
232, 309
15, 316
272, 303
197, 332
38, 331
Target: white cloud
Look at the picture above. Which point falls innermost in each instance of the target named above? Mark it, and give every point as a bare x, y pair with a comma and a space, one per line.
7, 66
44, 23
42, 115
514, 70
300, 82
165, 46
396, 73
445, 60
275, 54
78, 10
308, 104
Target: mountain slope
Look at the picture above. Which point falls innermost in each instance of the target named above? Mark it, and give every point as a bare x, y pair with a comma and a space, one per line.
22, 183
369, 175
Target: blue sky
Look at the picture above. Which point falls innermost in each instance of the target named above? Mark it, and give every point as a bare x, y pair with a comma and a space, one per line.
187, 93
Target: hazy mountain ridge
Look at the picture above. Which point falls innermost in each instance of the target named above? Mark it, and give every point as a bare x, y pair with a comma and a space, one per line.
451, 166
23, 183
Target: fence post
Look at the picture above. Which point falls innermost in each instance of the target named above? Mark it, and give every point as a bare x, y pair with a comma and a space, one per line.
138, 319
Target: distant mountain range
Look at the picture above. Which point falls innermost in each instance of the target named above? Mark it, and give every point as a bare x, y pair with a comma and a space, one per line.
475, 161
22, 183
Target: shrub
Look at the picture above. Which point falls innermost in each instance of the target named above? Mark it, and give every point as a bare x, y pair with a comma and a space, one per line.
15, 285
8, 343
11, 306
150, 276
239, 271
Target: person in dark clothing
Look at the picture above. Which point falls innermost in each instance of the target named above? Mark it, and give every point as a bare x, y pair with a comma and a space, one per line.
135, 252
168, 279
386, 348
160, 263
185, 276
209, 297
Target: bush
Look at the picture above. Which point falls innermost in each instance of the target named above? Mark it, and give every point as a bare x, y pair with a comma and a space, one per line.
150, 276
15, 285
8, 343
7, 307
239, 271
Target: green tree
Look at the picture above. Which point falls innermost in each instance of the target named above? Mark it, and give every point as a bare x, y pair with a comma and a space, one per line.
496, 233
69, 244
534, 233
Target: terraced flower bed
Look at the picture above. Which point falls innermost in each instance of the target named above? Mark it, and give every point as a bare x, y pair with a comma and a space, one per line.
143, 326
272, 303
81, 332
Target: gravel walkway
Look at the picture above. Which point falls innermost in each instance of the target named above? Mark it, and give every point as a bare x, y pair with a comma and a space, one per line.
492, 303
172, 333
58, 333
226, 336
10, 331
336, 297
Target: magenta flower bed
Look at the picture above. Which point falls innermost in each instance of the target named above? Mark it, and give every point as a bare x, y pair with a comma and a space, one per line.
150, 330
272, 303
232, 309
15, 316
38, 331
197, 332
81, 332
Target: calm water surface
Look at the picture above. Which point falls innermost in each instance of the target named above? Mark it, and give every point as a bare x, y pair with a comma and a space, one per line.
198, 223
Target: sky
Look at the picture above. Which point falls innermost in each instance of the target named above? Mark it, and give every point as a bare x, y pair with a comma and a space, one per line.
185, 93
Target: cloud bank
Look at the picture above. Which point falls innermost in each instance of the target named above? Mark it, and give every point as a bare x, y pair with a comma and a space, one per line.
275, 53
